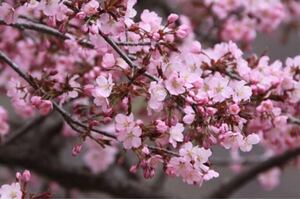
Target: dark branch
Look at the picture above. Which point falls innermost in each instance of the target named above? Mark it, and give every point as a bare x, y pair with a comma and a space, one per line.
24, 130
48, 164
227, 189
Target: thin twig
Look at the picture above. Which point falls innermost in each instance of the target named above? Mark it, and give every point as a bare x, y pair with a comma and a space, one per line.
124, 56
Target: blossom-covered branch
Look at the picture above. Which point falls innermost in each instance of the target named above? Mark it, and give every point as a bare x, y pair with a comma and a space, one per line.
146, 85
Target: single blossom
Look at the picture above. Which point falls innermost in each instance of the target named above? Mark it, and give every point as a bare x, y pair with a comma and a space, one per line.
175, 85
270, 179
176, 134
241, 91
131, 138
124, 123
7, 13
246, 143
219, 88
108, 61
12, 191
103, 86
91, 7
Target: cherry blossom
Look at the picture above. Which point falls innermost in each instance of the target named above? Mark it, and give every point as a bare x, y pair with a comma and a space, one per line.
176, 134
124, 123
108, 60
219, 88
12, 191
246, 144
175, 84
7, 13
103, 87
270, 179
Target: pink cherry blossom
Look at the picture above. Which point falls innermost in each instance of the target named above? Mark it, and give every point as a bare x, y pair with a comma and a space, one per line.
176, 134
270, 179
190, 115
172, 18
103, 86
161, 126
219, 88
175, 85
131, 138
108, 60
158, 94
234, 109
7, 13
91, 7
44, 106
241, 91
12, 191
246, 143
124, 123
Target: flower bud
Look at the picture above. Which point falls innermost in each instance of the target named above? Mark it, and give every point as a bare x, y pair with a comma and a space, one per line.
172, 18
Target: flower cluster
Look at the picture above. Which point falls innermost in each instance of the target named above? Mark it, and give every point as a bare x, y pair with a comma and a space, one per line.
190, 165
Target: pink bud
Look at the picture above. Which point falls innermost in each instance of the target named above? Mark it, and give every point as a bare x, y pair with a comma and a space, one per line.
18, 176
94, 29
76, 149
169, 38
211, 111
108, 60
80, 15
88, 89
266, 106
139, 122
94, 123
45, 107
161, 126
172, 18
198, 84
234, 109
146, 150
107, 120
156, 36
36, 101
182, 31
133, 169
26, 176
196, 47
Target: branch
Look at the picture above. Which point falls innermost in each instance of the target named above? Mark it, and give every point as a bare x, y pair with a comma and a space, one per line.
24, 130
59, 109
227, 189
38, 27
124, 56
47, 163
